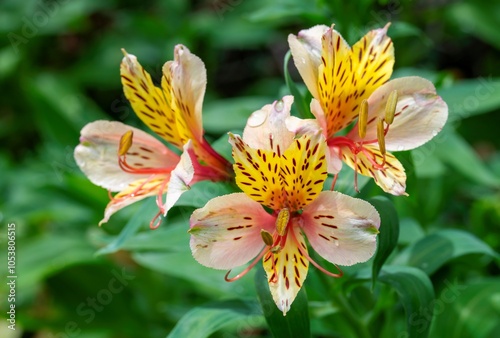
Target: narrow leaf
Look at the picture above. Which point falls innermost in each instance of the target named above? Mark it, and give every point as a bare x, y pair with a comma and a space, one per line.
471, 97
468, 310
416, 293
142, 216
204, 320
456, 152
296, 321
437, 249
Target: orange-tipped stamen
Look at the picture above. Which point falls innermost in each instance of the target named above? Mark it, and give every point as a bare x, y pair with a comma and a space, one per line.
362, 120
390, 107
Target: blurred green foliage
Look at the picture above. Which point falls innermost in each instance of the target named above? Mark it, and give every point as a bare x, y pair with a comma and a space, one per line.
59, 68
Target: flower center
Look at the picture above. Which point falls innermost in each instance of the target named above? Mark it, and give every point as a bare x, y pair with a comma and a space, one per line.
383, 125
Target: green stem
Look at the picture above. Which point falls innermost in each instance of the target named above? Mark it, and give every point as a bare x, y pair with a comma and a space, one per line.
354, 319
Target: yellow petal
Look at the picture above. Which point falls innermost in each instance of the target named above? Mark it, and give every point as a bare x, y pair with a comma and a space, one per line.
391, 177
287, 270
148, 101
349, 76
257, 173
303, 170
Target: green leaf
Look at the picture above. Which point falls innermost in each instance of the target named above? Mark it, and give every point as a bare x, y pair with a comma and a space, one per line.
416, 293
202, 321
480, 19
202, 192
470, 310
389, 233
181, 264
143, 216
471, 97
433, 251
48, 254
223, 115
295, 323
299, 99
455, 151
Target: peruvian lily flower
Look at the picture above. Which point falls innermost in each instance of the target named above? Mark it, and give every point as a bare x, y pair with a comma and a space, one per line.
286, 176
135, 164
349, 83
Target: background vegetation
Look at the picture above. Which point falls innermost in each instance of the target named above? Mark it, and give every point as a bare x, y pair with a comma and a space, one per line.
59, 68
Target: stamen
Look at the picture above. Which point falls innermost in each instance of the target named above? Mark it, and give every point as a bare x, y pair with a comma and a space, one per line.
334, 181
125, 143
381, 135
266, 237
276, 249
362, 120
320, 268
244, 272
156, 221
282, 221
390, 107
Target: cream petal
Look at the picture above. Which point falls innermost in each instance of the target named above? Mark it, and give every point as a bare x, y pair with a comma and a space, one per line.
265, 128
342, 229
226, 232
390, 176
420, 113
189, 80
97, 154
306, 52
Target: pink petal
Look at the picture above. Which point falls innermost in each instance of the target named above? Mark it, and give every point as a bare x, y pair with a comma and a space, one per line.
342, 229
266, 128
135, 192
181, 177
420, 113
97, 154
225, 233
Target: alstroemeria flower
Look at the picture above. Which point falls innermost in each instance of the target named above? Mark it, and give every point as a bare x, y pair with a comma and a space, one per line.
127, 160
234, 229
350, 83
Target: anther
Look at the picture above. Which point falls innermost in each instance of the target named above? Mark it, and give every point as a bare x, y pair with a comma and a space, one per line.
390, 107
282, 221
381, 135
276, 249
125, 143
363, 117
266, 237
